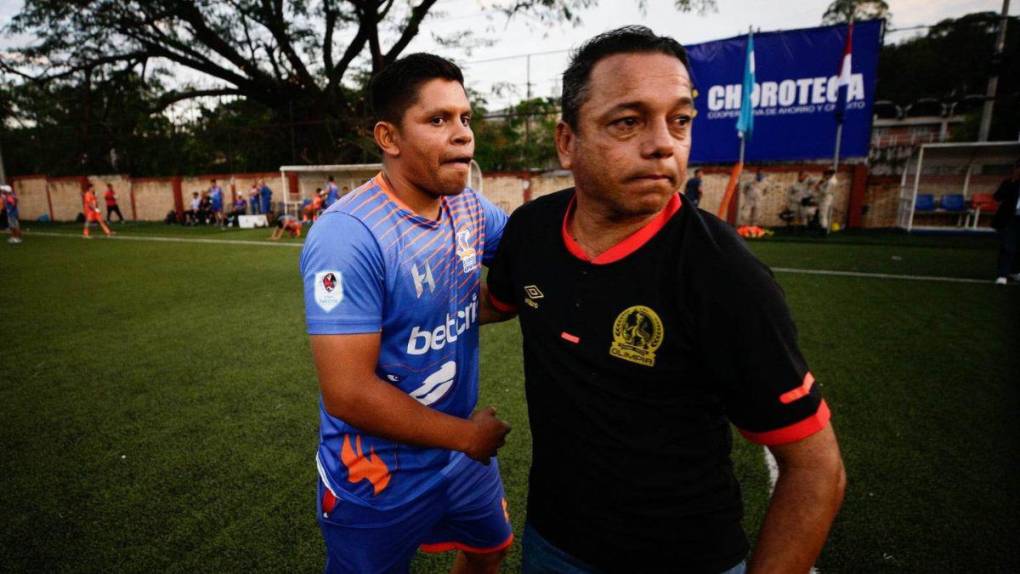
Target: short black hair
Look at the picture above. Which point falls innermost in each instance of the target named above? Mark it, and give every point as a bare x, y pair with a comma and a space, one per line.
626, 40
396, 88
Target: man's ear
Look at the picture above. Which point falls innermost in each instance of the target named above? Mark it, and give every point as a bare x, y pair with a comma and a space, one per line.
566, 143
387, 137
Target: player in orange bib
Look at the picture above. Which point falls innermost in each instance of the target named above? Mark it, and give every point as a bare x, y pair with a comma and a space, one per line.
286, 224
91, 210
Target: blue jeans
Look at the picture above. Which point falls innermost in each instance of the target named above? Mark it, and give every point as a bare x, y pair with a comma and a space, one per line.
541, 557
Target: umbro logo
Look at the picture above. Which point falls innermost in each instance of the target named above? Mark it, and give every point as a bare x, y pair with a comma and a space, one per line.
422, 278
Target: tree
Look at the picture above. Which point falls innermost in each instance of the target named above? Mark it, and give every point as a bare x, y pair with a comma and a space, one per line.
305, 61
842, 11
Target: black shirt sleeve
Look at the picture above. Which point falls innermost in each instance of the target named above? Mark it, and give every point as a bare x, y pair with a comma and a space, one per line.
750, 345
501, 290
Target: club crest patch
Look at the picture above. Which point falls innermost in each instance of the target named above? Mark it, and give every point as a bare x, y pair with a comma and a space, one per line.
637, 334
329, 289
466, 252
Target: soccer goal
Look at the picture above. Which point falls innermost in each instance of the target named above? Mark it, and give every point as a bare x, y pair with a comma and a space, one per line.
949, 186
300, 181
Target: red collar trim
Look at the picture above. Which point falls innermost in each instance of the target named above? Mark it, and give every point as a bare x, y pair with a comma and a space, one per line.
629, 245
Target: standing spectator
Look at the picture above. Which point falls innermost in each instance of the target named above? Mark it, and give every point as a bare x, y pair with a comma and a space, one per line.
91, 210
753, 193
332, 193
10, 203
111, 204
253, 199
1007, 223
216, 203
693, 188
795, 198
825, 190
266, 197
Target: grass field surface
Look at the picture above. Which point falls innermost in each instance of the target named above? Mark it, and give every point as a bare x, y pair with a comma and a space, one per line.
159, 404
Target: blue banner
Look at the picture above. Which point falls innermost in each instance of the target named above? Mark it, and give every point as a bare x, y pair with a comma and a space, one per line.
795, 94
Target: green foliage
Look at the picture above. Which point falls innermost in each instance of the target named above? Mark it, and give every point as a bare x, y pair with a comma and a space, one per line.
518, 138
955, 59
842, 11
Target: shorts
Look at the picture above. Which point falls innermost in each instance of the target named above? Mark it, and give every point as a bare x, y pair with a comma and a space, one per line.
12, 220
91, 216
466, 511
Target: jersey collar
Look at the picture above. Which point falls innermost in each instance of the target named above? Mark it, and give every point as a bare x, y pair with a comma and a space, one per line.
404, 209
630, 244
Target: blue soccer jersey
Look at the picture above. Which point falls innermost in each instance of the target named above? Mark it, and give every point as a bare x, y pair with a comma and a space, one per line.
371, 265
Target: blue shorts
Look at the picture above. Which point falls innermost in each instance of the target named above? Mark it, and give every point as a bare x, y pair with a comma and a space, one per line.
466, 511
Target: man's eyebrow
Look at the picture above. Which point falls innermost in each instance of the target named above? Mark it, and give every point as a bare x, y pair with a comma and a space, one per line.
637, 105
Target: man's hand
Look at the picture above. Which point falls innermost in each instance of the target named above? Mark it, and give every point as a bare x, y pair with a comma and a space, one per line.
488, 435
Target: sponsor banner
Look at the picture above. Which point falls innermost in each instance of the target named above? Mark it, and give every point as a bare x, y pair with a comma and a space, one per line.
794, 98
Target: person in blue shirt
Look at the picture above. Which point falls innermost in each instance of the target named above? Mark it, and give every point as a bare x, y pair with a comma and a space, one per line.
216, 201
392, 275
693, 188
10, 204
265, 198
332, 193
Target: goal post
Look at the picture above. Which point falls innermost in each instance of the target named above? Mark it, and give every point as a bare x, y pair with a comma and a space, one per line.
299, 182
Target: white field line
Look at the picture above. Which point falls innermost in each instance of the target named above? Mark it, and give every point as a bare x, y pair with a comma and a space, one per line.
770, 463
880, 275
827, 272
173, 239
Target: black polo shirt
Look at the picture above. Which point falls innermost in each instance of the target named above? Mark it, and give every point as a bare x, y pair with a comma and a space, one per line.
635, 363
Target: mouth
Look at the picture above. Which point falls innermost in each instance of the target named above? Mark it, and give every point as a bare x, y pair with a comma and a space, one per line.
459, 160
655, 177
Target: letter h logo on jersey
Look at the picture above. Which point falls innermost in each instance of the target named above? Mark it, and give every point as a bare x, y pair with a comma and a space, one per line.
423, 279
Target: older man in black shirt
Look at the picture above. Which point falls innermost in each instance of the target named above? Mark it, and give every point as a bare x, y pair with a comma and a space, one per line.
648, 328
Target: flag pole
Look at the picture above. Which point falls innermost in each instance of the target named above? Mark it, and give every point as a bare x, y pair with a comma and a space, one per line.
839, 139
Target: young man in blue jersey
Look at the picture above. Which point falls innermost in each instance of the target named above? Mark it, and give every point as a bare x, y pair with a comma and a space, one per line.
391, 277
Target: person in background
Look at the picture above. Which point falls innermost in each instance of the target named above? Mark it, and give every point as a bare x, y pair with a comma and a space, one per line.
312, 210
286, 223
10, 204
1007, 222
90, 208
265, 198
332, 193
753, 193
254, 201
238, 210
825, 192
693, 188
795, 198
216, 203
110, 197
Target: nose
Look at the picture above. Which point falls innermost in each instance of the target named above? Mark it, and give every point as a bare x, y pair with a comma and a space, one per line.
462, 134
659, 141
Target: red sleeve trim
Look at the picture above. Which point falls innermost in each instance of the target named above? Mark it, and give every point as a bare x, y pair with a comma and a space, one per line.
794, 432
453, 545
500, 305
802, 391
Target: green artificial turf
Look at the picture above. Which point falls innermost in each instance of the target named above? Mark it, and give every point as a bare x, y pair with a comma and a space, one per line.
159, 405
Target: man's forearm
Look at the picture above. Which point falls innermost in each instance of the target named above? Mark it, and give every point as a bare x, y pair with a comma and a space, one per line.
803, 506
381, 409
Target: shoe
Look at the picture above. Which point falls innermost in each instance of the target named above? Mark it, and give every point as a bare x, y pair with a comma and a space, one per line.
1000, 281
1015, 276
14, 240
